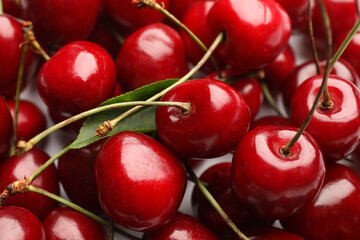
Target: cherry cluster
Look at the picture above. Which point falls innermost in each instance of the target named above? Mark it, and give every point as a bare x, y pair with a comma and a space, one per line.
149, 92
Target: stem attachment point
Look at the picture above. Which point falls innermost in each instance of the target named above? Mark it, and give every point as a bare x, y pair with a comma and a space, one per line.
104, 129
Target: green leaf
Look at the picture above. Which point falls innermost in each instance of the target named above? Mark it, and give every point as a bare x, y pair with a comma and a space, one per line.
141, 121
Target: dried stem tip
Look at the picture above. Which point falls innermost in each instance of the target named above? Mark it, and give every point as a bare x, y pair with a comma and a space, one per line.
104, 129
28, 32
144, 3
20, 186
22, 147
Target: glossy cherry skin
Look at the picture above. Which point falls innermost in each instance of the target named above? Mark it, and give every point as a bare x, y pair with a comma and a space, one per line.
218, 182
17, 223
335, 212
182, 227
252, 40
351, 52
270, 120
127, 14
274, 184
198, 132
152, 53
6, 129
10, 7
16, 168
76, 170
298, 12
270, 233
179, 7
31, 120
60, 22
79, 77
64, 223
140, 183
10, 53
336, 130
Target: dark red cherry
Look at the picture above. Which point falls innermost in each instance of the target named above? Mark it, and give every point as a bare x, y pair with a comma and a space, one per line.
59, 117
218, 119
252, 40
152, 53
31, 120
118, 90
12, 8
277, 185
270, 233
179, 7
11, 39
80, 76
64, 223
17, 223
336, 130
127, 14
6, 130
335, 212
352, 51
140, 183
16, 168
298, 13
270, 120
60, 22
182, 227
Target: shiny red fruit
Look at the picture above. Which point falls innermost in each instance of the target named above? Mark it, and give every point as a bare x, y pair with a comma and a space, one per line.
151, 54
270, 120
277, 185
270, 233
352, 51
219, 117
79, 77
64, 223
298, 12
140, 183
179, 7
12, 8
17, 223
336, 130
6, 130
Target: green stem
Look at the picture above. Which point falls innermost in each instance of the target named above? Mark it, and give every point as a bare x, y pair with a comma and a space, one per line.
312, 37
269, 97
1, 7
17, 96
35, 44
111, 230
213, 202
80, 209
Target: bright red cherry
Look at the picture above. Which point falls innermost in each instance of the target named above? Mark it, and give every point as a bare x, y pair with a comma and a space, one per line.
16, 168
6, 130
256, 31
182, 227
153, 53
64, 223
17, 223
336, 130
352, 50
218, 119
140, 183
277, 185
58, 22
80, 76
335, 212
270, 120
31, 120
270, 233
298, 12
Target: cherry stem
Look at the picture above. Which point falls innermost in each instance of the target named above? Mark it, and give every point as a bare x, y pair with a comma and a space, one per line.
80, 209
108, 24
30, 37
1, 7
17, 96
171, 17
213, 202
258, 74
312, 37
269, 97
213, 46
111, 230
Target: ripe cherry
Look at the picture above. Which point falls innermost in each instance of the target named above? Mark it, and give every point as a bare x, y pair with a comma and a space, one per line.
179, 7
6, 129
270, 120
352, 50
270, 233
11, 8
298, 13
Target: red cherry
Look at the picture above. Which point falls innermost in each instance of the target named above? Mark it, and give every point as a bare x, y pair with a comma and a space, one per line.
140, 183
60, 22
77, 78
336, 130
17, 223
298, 13
118, 90
151, 54
270, 120
270, 233
31, 120
352, 51
218, 119
6, 130
12, 8
335, 212
179, 7
256, 31
182, 227
64, 223
16, 168
274, 184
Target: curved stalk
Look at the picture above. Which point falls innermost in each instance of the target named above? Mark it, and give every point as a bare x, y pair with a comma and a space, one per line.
312, 37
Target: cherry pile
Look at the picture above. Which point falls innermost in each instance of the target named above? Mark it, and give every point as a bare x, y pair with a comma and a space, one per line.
255, 95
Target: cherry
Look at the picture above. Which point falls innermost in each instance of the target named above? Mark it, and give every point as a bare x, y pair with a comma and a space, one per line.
298, 13
152, 53
16, 168
57, 22
335, 212
337, 129
352, 50
270, 233
17, 223
252, 40
12, 8
64, 223
179, 7
6, 130
181, 227
77, 78
270, 120
31, 120
118, 90
275, 184
218, 119
140, 183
